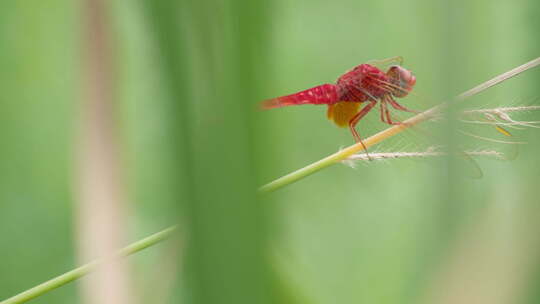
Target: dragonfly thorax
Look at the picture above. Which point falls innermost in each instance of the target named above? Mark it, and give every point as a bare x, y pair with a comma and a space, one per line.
362, 83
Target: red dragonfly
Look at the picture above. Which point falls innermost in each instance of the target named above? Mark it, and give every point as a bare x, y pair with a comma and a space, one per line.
364, 83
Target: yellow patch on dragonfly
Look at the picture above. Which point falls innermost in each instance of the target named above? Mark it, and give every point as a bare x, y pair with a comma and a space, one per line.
342, 112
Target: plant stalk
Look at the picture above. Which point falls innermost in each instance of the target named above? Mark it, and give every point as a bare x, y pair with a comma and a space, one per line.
87, 268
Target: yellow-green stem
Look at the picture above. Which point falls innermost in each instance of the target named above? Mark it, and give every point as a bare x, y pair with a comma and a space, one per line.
85, 269
345, 153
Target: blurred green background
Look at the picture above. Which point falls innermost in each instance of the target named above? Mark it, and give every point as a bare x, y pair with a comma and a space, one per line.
188, 78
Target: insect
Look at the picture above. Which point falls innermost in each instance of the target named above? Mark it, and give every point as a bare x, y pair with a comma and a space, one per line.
365, 83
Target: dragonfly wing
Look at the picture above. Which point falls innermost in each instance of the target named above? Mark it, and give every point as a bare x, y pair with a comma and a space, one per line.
423, 138
468, 165
384, 64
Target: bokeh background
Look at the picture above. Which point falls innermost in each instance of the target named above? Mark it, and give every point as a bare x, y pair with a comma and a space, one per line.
182, 82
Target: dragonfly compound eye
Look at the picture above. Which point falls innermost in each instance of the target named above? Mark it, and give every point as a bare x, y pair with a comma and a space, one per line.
402, 80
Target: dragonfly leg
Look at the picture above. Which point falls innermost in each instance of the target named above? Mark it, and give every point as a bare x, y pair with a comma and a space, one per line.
382, 110
397, 106
356, 119
387, 113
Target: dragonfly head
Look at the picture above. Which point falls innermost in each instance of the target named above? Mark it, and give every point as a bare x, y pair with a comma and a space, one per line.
402, 80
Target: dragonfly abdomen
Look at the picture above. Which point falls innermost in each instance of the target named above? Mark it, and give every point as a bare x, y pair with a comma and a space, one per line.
322, 94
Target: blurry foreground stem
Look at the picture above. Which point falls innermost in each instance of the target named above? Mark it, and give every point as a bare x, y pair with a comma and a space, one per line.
85, 269
374, 139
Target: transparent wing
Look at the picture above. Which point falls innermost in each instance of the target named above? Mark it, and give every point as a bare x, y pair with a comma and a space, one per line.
384, 64
430, 140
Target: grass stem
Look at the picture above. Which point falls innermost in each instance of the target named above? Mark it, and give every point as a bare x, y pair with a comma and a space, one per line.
86, 268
